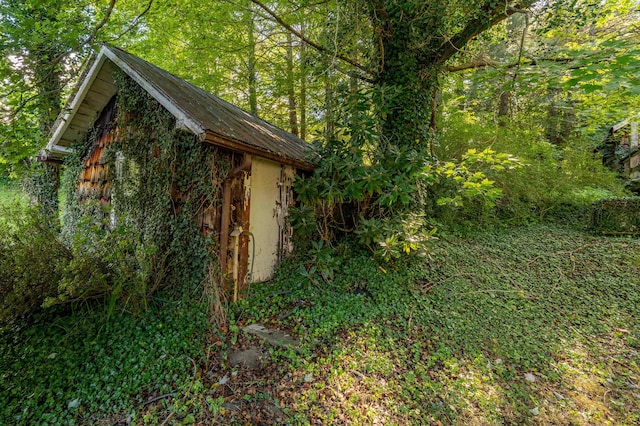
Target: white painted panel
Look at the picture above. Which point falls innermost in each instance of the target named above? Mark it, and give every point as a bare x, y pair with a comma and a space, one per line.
263, 218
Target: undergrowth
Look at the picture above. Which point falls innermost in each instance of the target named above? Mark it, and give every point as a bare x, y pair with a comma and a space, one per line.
519, 325
554, 180
522, 325
80, 368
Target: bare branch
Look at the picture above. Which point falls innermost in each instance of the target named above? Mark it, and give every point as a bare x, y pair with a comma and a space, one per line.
311, 43
135, 22
101, 24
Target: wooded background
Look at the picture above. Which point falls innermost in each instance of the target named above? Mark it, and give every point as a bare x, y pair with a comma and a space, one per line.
566, 65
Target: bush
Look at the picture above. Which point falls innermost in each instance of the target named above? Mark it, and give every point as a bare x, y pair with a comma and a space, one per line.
111, 264
32, 260
466, 190
39, 268
616, 216
554, 178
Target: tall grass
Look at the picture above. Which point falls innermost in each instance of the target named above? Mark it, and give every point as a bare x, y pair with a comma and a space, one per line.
11, 192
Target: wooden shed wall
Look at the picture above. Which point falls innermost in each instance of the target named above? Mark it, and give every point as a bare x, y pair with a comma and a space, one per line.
270, 183
94, 180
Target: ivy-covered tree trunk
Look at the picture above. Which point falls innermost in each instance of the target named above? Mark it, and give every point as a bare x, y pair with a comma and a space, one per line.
406, 34
405, 105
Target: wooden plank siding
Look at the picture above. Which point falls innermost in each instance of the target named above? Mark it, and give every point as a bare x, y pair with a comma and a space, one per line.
95, 184
95, 179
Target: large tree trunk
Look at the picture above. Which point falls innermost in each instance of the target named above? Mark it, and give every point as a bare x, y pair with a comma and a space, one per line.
412, 50
406, 81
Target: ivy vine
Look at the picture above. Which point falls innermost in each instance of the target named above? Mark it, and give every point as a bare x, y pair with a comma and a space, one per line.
161, 178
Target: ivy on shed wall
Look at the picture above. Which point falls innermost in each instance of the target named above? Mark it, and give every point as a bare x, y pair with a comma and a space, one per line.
161, 180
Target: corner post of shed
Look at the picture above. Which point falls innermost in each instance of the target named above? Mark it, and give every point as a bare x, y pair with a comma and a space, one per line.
225, 220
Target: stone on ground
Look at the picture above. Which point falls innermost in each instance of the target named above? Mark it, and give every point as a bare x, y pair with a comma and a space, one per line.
273, 337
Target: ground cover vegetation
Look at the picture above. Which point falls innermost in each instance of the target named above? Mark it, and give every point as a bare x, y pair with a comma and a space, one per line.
435, 280
528, 324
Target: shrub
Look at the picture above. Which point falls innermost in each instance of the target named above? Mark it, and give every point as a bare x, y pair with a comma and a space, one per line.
466, 190
39, 268
32, 259
111, 264
616, 216
554, 179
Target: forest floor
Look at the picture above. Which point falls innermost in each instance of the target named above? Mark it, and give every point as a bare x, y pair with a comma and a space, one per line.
522, 325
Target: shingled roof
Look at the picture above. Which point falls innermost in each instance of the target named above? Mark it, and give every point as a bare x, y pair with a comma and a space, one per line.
211, 118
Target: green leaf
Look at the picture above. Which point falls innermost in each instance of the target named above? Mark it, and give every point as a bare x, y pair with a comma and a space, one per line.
589, 88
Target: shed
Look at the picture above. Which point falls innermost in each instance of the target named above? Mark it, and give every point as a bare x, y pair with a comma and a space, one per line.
256, 189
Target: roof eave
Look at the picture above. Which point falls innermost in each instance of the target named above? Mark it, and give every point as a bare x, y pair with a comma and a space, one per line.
63, 122
240, 146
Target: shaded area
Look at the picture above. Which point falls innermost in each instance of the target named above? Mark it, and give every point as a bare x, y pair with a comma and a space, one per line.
83, 367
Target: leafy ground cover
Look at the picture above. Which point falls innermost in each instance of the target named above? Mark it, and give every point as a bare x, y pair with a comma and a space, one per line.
83, 368
521, 325
513, 326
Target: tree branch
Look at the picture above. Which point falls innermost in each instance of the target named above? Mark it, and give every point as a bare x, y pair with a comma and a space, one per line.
493, 14
478, 63
311, 43
527, 61
135, 22
101, 24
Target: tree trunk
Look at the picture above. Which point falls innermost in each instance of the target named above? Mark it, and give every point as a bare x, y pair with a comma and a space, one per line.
405, 100
407, 79
303, 89
291, 92
251, 65
504, 108
330, 124
560, 118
